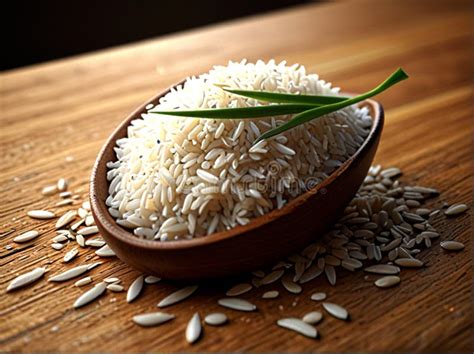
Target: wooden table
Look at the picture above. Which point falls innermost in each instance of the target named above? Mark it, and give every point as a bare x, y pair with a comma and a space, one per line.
67, 108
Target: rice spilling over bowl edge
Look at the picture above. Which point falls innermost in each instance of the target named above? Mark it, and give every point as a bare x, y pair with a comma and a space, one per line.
179, 178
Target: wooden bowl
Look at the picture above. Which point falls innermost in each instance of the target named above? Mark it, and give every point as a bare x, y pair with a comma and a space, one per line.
261, 242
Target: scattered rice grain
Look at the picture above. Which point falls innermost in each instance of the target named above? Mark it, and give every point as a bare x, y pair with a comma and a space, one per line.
297, 325
178, 296
216, 319
26, 236
25, 279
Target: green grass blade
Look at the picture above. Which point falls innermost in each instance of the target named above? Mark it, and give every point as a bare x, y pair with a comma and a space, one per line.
317, 112
287, 97
242, 113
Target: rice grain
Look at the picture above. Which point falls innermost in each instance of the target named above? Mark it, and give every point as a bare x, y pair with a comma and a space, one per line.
387, 281
239, 289
452, 245
70, 273
215, 319
135, 289
409, 262
105, 251
297, 325
83, 281
318, 296
383, 269
90, 295
237, 304
272, 294
152, 319
151, 279
25, 279
313, 317
41, 214
336, 311
178, 296
456, 209
193, 329
26, 236
70, 255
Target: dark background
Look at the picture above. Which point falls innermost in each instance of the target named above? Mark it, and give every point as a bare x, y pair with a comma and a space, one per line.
41, 30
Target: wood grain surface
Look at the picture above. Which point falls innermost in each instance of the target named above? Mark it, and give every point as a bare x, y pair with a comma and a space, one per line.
67, 108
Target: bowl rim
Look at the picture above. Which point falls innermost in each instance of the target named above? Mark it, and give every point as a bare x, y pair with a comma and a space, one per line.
107, 222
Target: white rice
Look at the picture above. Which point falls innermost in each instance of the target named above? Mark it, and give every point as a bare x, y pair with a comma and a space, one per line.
179, 178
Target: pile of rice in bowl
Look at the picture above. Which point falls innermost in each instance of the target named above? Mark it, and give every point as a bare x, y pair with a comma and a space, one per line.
179, 178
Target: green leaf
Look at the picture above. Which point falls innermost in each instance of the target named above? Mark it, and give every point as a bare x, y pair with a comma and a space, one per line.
242, 113
287, 97
317, 112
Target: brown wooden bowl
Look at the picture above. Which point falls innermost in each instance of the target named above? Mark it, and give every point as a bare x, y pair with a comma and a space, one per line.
261, 242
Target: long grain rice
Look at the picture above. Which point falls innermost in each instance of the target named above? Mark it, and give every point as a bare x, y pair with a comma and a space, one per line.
177, 178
